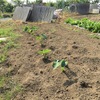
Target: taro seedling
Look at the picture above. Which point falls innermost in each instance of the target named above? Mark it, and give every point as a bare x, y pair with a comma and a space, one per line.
41, 38
34, 28
60, 63
26, 28
44, 52
30, 29
45, 56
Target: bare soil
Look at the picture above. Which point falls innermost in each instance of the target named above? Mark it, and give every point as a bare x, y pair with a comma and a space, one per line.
37, 77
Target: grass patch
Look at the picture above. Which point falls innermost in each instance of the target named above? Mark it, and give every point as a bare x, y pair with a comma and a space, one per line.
9, 43
2, 42
2, 81
8, 33
8, 87
3, 58
8, 95
95, 36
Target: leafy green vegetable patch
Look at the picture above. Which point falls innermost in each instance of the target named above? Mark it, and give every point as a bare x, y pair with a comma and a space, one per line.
85, 23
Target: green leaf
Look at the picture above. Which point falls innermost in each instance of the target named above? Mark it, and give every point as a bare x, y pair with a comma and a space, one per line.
41, 37
64, 63
56, 64
34, 28
60, 63
30, 31
26, 28
44, 36
62, 68
38, 38
45, 51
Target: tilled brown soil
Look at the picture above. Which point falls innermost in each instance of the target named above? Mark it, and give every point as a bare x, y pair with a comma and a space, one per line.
40, 82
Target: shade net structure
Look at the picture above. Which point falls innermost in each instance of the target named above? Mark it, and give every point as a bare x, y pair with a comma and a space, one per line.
34, 13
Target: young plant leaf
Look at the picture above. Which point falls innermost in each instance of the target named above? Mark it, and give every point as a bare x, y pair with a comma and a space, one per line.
44, 36
38, 38
34, 28
63, 69
26, 29
56, 64
44, 52
63, 64
60, 63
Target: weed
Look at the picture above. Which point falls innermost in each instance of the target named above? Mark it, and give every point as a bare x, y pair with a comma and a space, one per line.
10, 45
9, 87
60, 63
8, 95
1, 42
95, 36
11, 94
3, 58
7, 32
2, 81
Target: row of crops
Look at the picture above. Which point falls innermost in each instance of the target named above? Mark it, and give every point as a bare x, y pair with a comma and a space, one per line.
85, 23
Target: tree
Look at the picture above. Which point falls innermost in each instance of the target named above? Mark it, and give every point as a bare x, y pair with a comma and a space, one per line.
2, 4
60, 4
39, 1
17, 2
8, 7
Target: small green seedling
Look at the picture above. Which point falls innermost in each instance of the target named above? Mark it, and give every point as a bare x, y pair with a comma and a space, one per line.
30, 29
44, 52
41, 37
3, 58
26, 28
2, 81
1, 42
34, 28
60, 63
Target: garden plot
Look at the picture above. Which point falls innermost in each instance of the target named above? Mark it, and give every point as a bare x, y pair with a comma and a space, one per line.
28, 73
